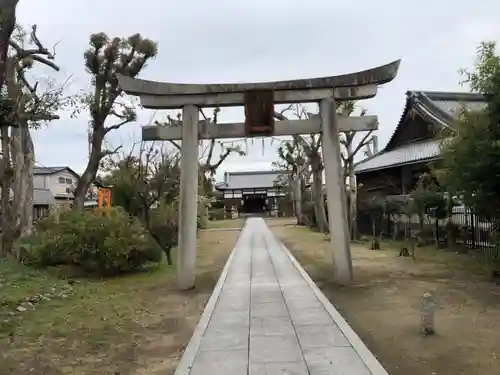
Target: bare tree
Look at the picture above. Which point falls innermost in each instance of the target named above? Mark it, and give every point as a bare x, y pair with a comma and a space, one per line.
351, 148
291, 159
104, 59
311, 145
209, 163
23, 107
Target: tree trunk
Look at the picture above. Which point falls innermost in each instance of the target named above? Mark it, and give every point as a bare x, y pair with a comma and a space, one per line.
14, 204
319, 202
7, 25
395, 229
29, 165
90, 172
19, 186
298, 201
7, 178
353, 211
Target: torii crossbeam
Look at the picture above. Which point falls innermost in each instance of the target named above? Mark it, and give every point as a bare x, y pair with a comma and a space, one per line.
259, 99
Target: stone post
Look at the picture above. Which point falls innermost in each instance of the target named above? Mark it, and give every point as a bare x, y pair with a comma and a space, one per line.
186, 251
427, 314
336, 196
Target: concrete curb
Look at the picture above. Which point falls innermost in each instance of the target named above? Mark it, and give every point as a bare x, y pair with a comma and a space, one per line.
189, 355
371, 362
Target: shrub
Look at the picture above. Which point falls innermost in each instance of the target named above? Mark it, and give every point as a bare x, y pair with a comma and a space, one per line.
100, 245
217, 214
164, 228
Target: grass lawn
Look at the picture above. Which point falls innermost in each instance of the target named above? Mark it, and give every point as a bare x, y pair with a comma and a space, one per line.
137, 324
383, 305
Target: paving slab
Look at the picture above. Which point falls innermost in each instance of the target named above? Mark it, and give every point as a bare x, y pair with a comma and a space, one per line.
267, 317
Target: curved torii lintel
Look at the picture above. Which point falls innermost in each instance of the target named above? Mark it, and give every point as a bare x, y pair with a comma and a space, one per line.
379, 75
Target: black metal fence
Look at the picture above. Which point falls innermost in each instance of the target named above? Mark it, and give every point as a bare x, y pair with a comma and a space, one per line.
475, 231
470, 230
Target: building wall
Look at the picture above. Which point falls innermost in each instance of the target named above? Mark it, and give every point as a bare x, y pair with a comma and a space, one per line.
41, 181
383, 182
390, 181
62, 183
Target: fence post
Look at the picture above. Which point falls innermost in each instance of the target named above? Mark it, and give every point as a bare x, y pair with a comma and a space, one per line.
437, 232
472, 227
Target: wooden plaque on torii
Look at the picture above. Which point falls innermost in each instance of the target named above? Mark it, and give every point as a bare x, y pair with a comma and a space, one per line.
259, 113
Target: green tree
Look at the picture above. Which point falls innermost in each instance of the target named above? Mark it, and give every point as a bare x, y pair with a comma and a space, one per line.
146, 184
471, 158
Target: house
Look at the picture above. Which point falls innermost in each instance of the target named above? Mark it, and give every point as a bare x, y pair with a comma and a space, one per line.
55, 186
415, 143
251, 191
43, 200
52, 186
59, 181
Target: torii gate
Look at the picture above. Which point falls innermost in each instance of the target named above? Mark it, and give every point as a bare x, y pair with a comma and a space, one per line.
259, 100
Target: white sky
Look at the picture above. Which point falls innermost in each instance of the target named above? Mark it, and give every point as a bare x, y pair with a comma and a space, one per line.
255, 40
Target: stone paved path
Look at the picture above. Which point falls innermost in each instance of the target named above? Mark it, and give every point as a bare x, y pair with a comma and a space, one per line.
267, 317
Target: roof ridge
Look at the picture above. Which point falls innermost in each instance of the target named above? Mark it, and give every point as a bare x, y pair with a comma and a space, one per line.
449, 95
425, 102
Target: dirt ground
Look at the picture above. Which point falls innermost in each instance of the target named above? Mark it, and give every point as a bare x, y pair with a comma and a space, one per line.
383, 305
132, 325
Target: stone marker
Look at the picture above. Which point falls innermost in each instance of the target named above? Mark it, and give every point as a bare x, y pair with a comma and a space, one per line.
427, 314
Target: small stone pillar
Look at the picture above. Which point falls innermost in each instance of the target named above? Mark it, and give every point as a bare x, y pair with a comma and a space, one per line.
427, 314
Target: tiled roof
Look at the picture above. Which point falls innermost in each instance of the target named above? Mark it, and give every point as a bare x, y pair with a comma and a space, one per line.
409, 153
451, 103
47, 170
52, 170
249, 180
438, 108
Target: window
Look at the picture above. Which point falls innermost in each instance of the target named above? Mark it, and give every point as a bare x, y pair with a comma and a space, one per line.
62, 180
69, 181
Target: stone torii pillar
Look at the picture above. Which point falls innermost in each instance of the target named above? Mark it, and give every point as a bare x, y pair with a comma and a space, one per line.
188, 207
259, 99
335, 191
